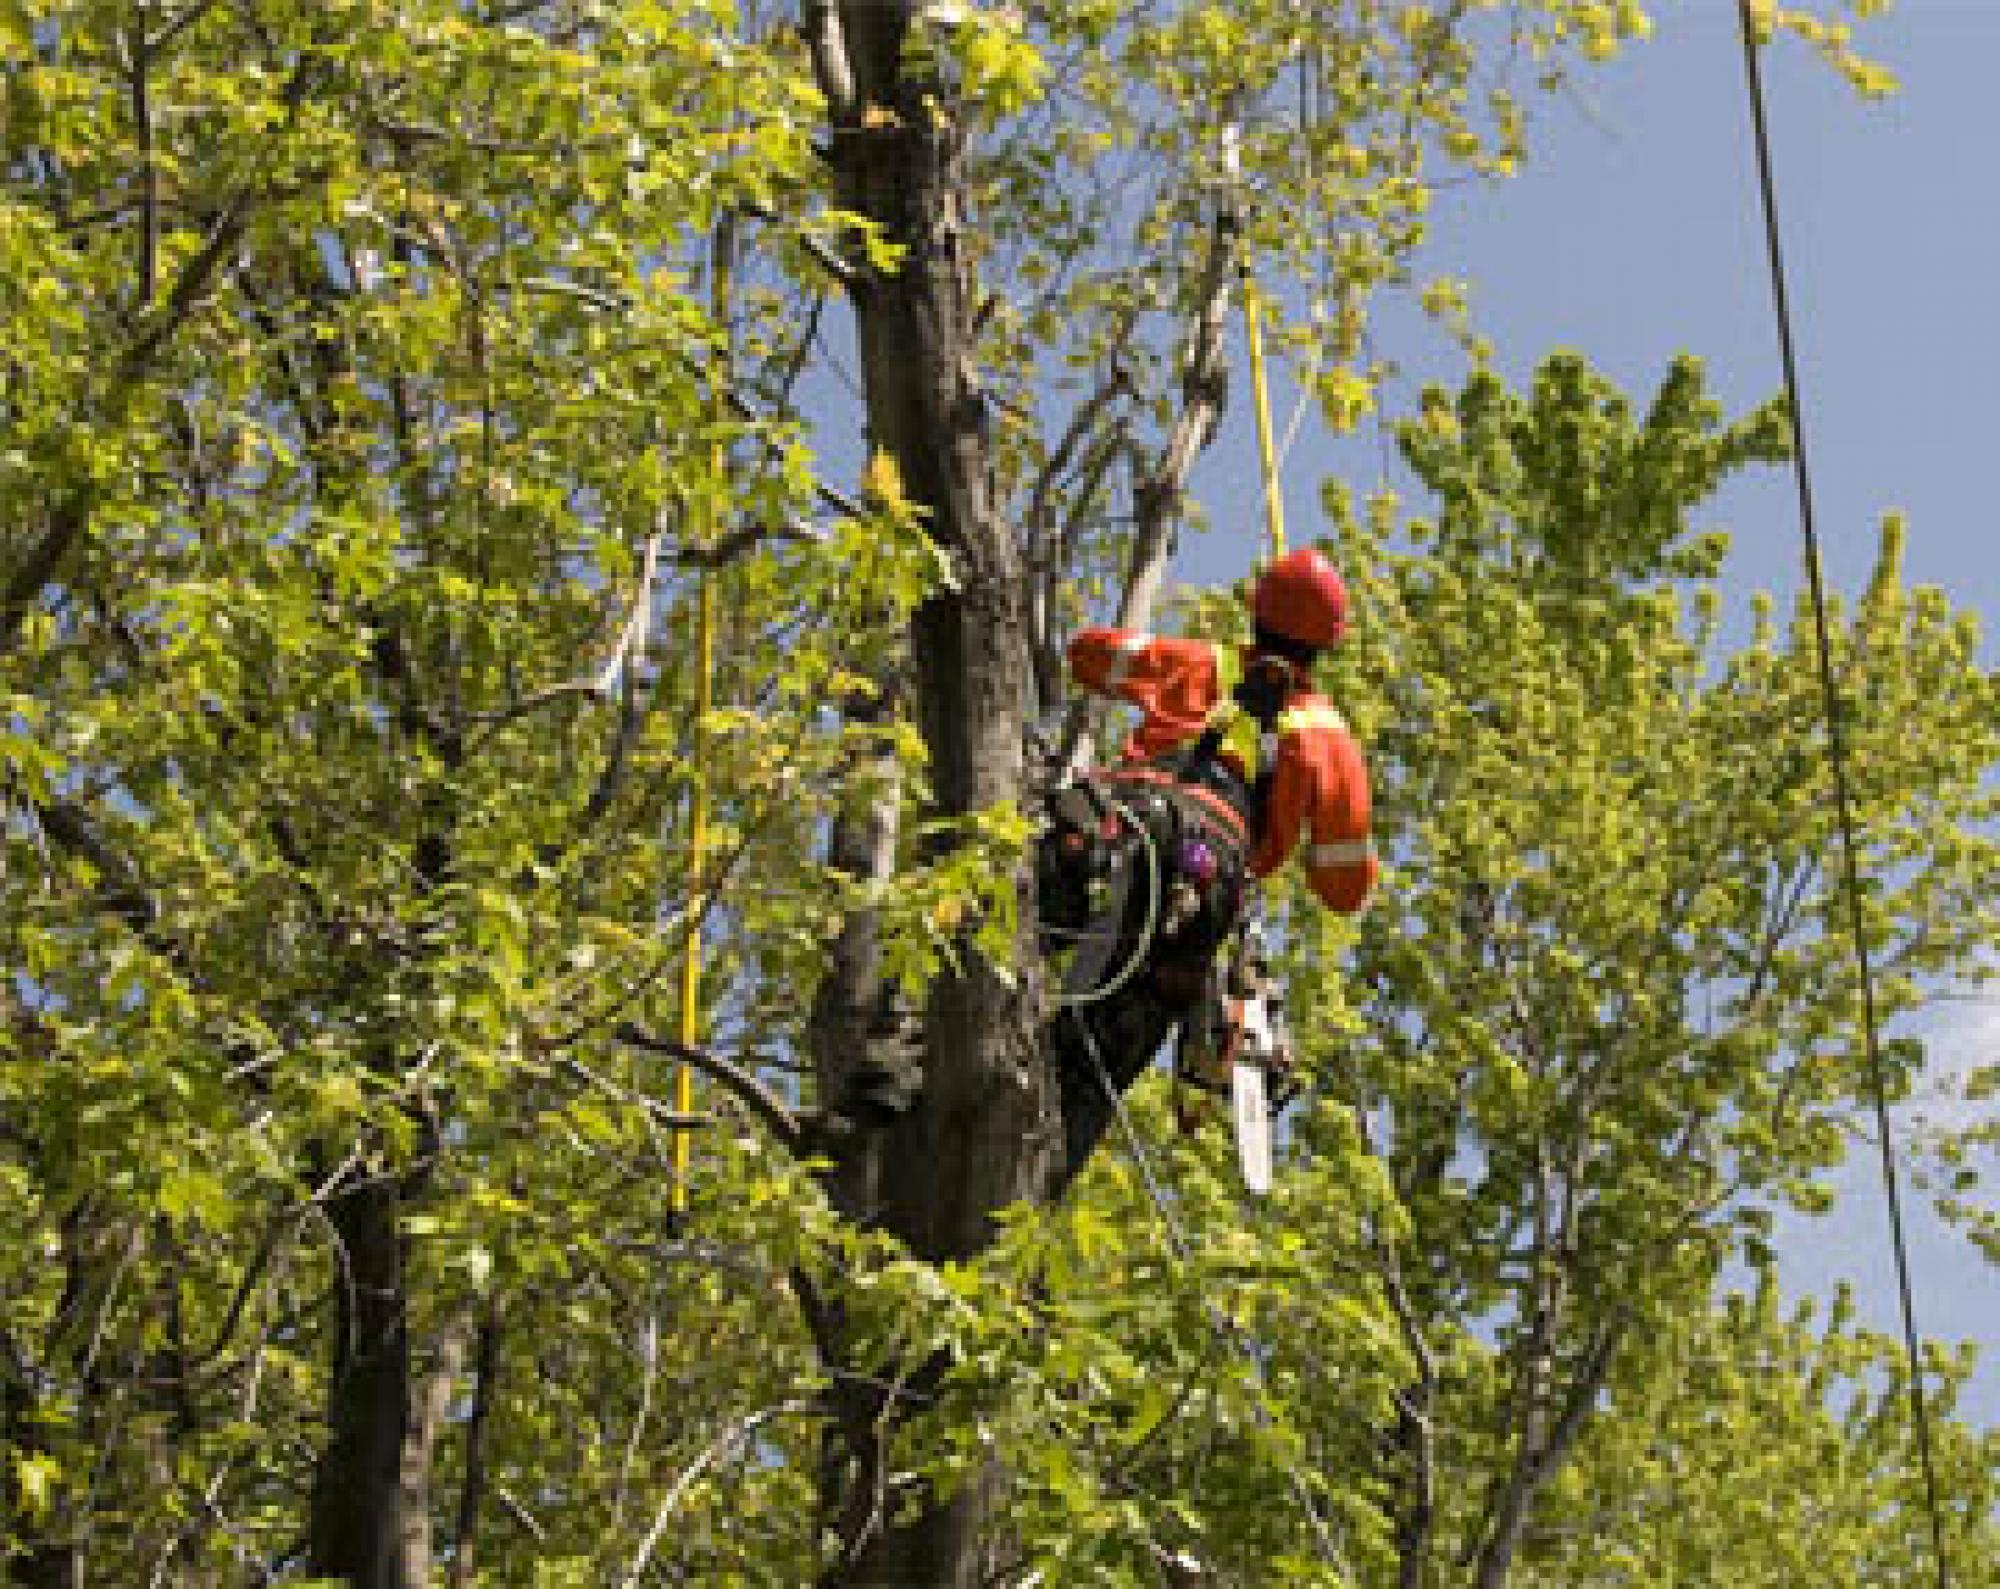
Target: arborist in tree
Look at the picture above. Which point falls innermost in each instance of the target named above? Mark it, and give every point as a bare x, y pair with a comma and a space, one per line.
1144, 865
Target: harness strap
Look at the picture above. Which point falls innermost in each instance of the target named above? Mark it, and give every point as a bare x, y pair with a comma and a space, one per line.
1212, 802
1242, 734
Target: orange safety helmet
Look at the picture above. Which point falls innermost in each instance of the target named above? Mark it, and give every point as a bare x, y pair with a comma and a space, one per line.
1302, 597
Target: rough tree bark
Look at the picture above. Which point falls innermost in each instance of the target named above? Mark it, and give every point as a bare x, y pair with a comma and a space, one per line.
357, 1513
981, 1134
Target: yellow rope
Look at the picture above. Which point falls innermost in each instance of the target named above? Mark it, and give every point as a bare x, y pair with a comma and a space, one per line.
704, 700
690, 1028
1267, 447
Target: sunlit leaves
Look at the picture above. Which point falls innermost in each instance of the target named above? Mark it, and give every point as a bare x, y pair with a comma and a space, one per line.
343, 520
1605, 1011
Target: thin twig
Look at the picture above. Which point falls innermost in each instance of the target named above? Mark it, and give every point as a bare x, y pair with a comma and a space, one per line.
734, 1436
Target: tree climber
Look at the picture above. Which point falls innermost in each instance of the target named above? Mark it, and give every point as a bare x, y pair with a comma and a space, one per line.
1195, 801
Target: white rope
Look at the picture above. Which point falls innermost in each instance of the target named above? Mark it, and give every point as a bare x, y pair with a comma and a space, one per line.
1143, 945
1292, 425
638, 623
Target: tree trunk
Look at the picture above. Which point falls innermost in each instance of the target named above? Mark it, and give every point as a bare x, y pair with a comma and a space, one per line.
472, 1486
1418, 1515
981, 1134
986, 1109
1540, 1457
357, 1488
433, 1401
862, 846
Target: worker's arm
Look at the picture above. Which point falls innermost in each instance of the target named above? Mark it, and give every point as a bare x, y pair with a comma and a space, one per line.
1141, 668
1319, 791
1340, 859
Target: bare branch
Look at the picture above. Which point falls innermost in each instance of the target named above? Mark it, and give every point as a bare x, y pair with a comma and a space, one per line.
521, 1514
591, 297
671, 1118
1083, 423
738, 542
1082, 499
1047, 564
573, 689
827, 44
1204, 391
839, 501
821, 252
718, 1449
1157, 495
638, 622
649, 1360
761, 1101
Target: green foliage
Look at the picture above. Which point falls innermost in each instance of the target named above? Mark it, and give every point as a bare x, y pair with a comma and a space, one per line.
354, 354
1606, 1011
1746, 1444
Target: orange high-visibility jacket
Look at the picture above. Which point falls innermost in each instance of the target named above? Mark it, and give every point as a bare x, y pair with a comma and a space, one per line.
1318, 784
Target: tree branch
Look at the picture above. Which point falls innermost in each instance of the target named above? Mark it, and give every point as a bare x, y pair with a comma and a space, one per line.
430, 1401
818, 249
472, 1487
1156, 497
827, 44
139, 88
1534, 1466
72, 514
761, 1101
126, 897
739, 542
1204, 393
176, 26
1046, 563
239, 1302
736, 1435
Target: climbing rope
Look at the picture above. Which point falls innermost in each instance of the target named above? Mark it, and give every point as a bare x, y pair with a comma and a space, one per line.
1142, 945
698, 818
1267, 449
1253, 340
1843, 797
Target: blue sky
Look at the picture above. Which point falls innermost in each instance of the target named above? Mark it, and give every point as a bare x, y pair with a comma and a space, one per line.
1634, 234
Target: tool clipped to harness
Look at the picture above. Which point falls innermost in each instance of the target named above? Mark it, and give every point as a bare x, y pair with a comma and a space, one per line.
1075, 857
1234, 1043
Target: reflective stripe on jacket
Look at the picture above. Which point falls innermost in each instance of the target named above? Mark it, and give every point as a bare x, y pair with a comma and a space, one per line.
1318, 786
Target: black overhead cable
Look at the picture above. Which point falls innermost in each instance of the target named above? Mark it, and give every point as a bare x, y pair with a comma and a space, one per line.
1843, 799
